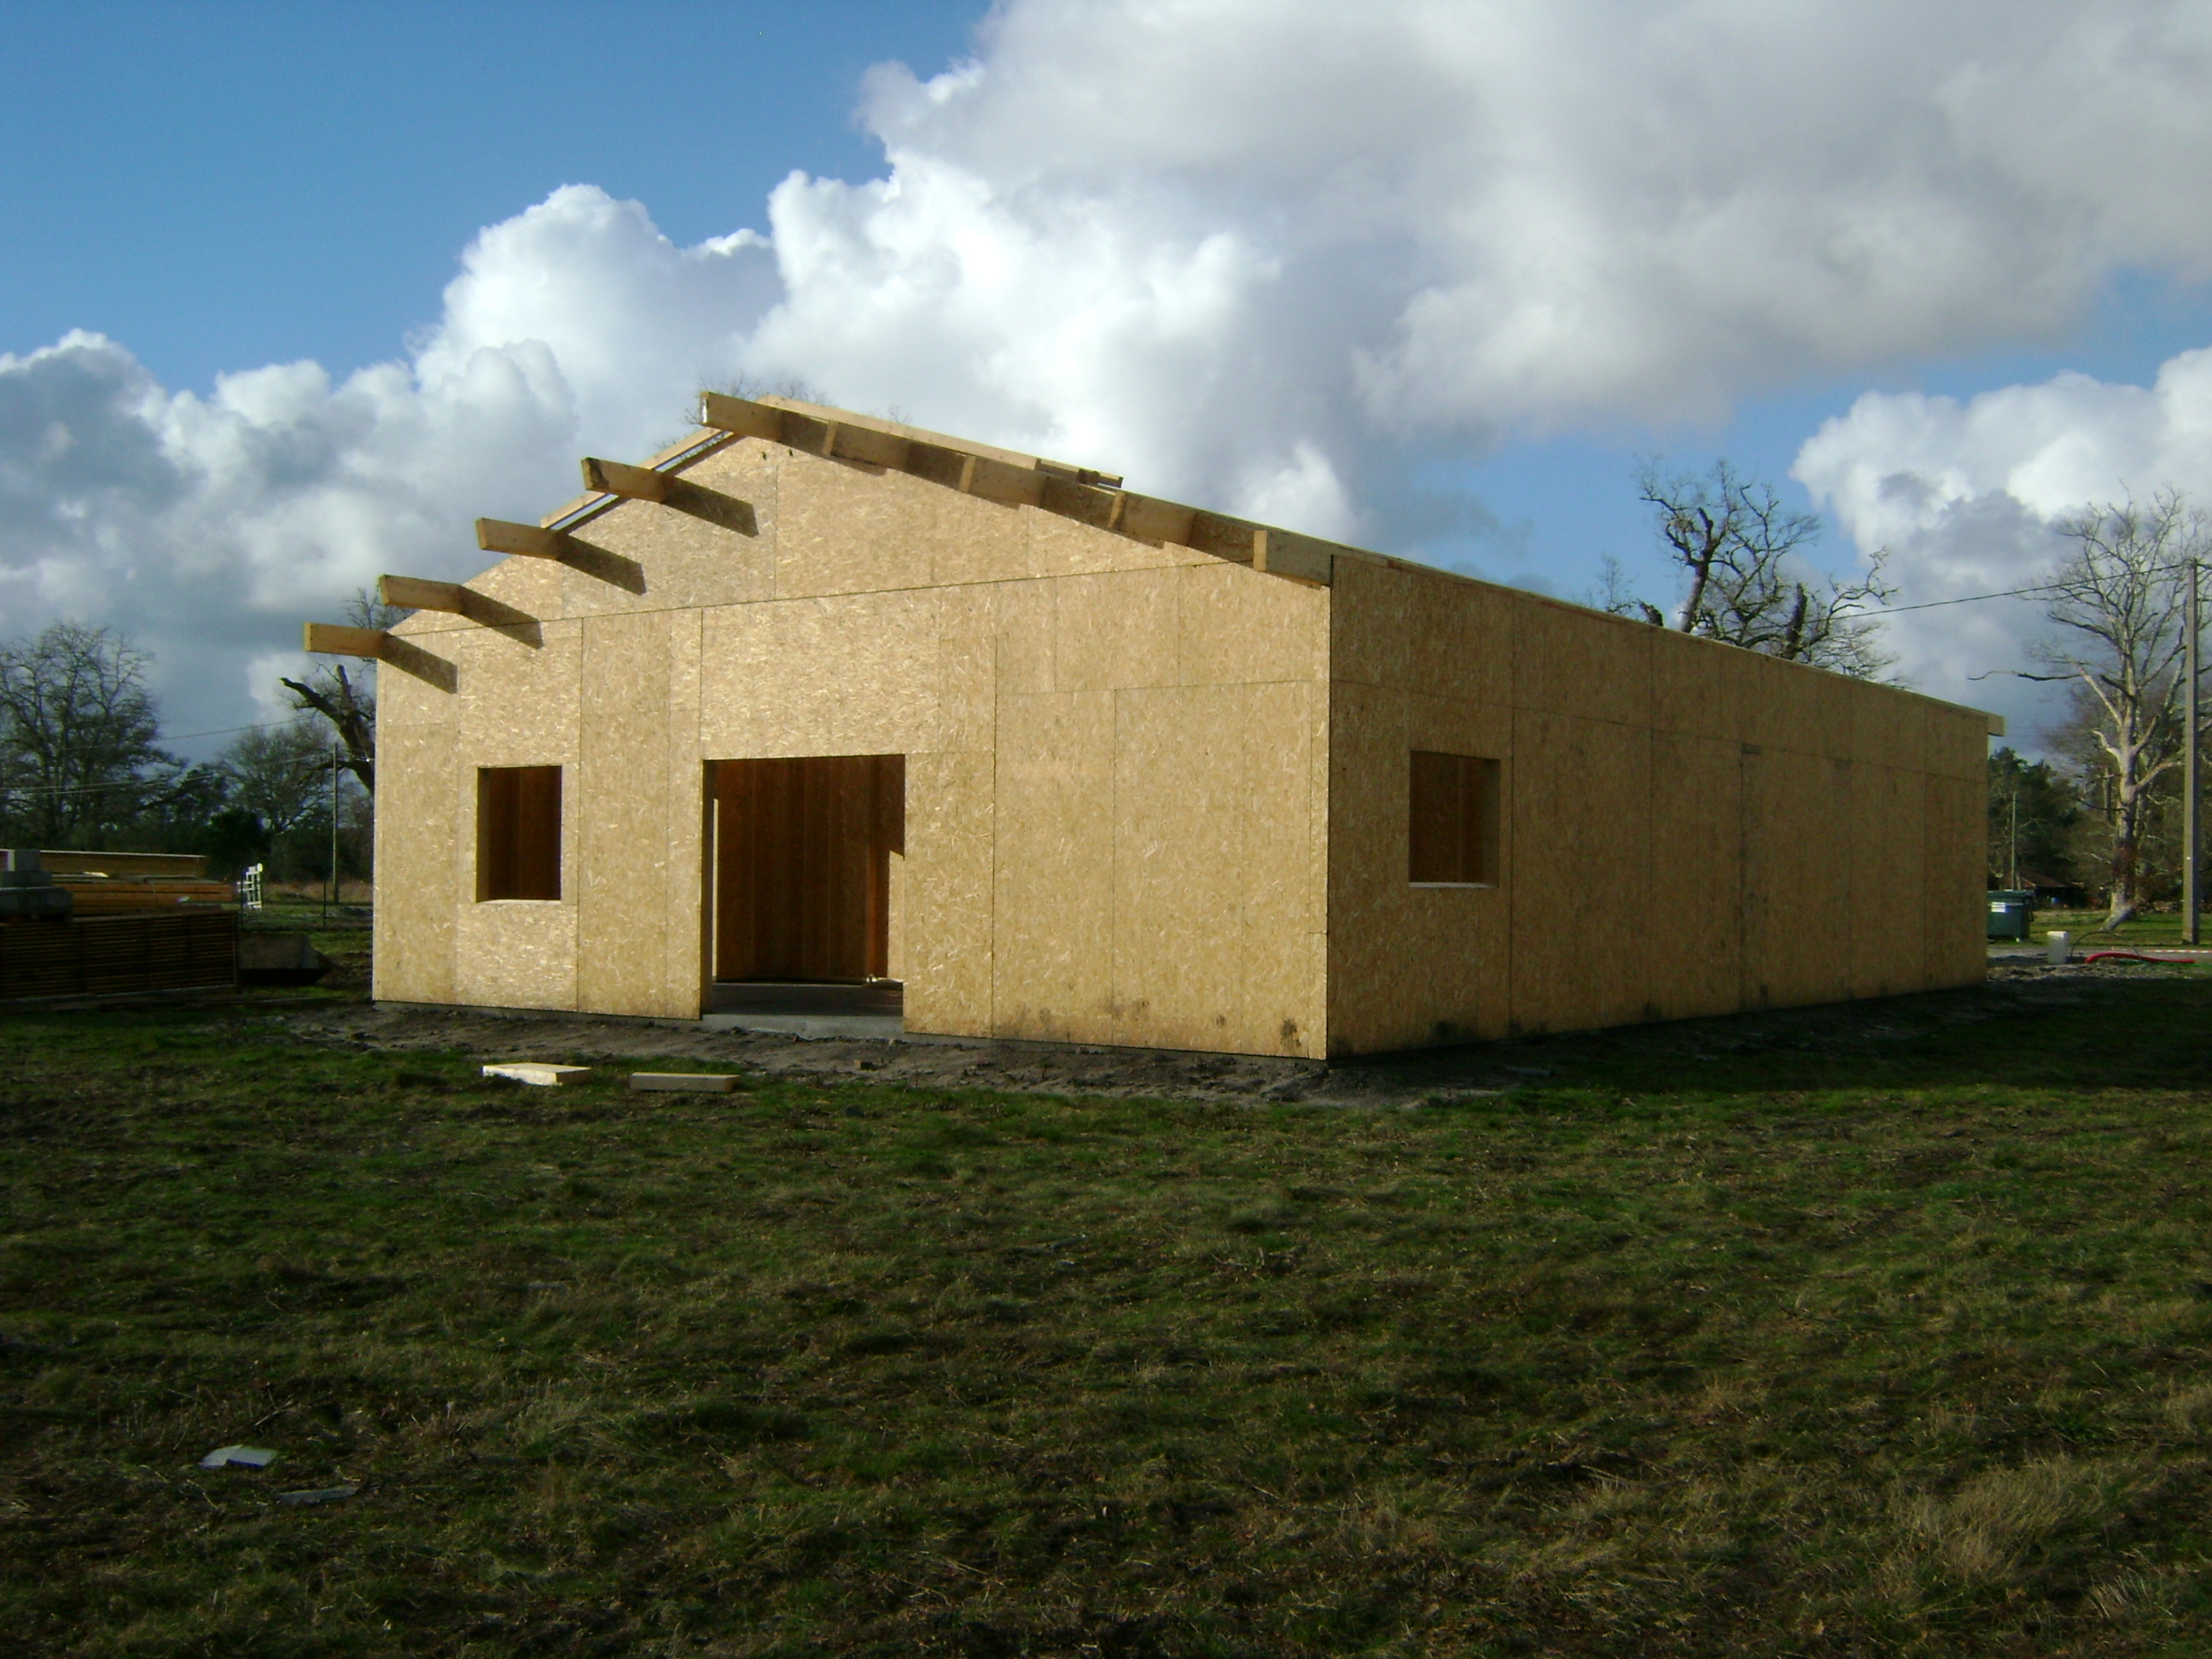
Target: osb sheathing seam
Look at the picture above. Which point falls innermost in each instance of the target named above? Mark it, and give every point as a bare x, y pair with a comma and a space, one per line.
1796, 818
1956, 878
1214, 950
1888, 881
417, 830
625, 813
1053, 867
842, 530
948, 899
828, 675
1691, 829
1185, 843
514, 704
685, 970
1691, 912
1580, 804
1396, 954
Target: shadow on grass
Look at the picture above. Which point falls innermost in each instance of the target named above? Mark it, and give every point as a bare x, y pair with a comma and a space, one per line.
2151, 1030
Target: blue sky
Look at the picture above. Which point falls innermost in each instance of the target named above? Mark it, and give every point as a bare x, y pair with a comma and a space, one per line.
1261, 253
222, 185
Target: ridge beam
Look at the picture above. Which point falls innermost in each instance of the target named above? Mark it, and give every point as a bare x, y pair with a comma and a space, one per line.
1090, 497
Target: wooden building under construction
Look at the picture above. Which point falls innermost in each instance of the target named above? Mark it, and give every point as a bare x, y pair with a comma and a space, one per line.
818, 699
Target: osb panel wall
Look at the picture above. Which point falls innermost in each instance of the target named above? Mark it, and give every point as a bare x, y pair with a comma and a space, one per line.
1116, 757
1688, 828
417, 842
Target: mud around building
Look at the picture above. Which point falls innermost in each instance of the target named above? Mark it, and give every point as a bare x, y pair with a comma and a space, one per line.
1683, 1050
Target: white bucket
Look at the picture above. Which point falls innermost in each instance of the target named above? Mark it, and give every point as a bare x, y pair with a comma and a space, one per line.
2058, 947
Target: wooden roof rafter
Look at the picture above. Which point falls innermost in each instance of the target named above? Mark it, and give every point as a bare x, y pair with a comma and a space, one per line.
1089, 498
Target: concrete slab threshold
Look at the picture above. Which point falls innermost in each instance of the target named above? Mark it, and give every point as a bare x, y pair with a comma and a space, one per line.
882, 1027
874, 1010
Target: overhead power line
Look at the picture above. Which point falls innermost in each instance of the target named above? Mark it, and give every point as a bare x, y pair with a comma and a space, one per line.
1968, 598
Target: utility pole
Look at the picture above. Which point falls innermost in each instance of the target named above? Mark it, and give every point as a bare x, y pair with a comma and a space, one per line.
2190, 837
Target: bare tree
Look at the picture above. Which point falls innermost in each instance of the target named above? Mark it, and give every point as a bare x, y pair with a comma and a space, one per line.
2118, 598
280, 773
348, 701
1746, 577
78, 730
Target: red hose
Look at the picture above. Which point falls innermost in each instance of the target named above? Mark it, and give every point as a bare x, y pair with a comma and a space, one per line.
2132, 956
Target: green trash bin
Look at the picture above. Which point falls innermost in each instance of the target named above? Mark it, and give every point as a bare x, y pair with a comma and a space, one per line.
2009, 910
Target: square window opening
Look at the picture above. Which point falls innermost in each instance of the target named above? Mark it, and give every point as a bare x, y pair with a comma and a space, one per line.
1452, 828
518, 832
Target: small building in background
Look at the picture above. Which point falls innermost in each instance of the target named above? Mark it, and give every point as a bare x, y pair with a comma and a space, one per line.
818, 700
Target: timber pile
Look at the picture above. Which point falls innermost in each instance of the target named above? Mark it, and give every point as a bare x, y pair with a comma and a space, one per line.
106, 883
101, 895
118, 955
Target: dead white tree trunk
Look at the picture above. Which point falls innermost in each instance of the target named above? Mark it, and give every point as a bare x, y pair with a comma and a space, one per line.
2118, 599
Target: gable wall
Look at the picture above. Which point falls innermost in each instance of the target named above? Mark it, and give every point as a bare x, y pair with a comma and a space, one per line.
1688, 828
1116, 756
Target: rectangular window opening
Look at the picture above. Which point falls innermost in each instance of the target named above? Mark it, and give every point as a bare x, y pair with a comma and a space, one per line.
518, 832
1452, 828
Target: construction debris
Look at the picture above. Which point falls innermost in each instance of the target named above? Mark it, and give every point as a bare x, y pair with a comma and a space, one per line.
241, 1457
539, 1077
705, 1083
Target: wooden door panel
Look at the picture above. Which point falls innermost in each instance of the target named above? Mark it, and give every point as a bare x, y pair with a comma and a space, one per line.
803, 865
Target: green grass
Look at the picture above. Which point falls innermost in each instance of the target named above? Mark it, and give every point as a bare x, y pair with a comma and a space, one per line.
1902, 1350
343, 937
2161, 929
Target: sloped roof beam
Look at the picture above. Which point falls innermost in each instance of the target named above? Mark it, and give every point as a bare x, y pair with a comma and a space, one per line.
1091, 498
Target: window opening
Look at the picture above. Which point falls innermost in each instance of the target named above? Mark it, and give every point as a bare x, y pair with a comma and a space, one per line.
1452, 827
518, 832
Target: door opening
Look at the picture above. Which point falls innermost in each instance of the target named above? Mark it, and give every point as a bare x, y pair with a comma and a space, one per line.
802, 883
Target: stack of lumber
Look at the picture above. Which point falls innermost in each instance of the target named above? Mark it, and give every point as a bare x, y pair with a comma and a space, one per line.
106, 883
118, 955
101, 895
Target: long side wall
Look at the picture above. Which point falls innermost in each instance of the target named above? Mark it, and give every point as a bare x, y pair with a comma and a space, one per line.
1688, 828
1116, 760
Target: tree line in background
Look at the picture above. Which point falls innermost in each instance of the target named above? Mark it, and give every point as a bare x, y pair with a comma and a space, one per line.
2100, 820
82, 764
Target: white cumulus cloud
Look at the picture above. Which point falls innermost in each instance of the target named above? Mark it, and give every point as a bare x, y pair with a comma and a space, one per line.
208, 527
1272, 255
1964, 494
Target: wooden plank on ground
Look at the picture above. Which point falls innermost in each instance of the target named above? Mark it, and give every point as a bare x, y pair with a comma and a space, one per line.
704, 1083
540, 1077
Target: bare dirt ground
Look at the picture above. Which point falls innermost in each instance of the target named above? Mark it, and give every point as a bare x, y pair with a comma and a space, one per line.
2015, 989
